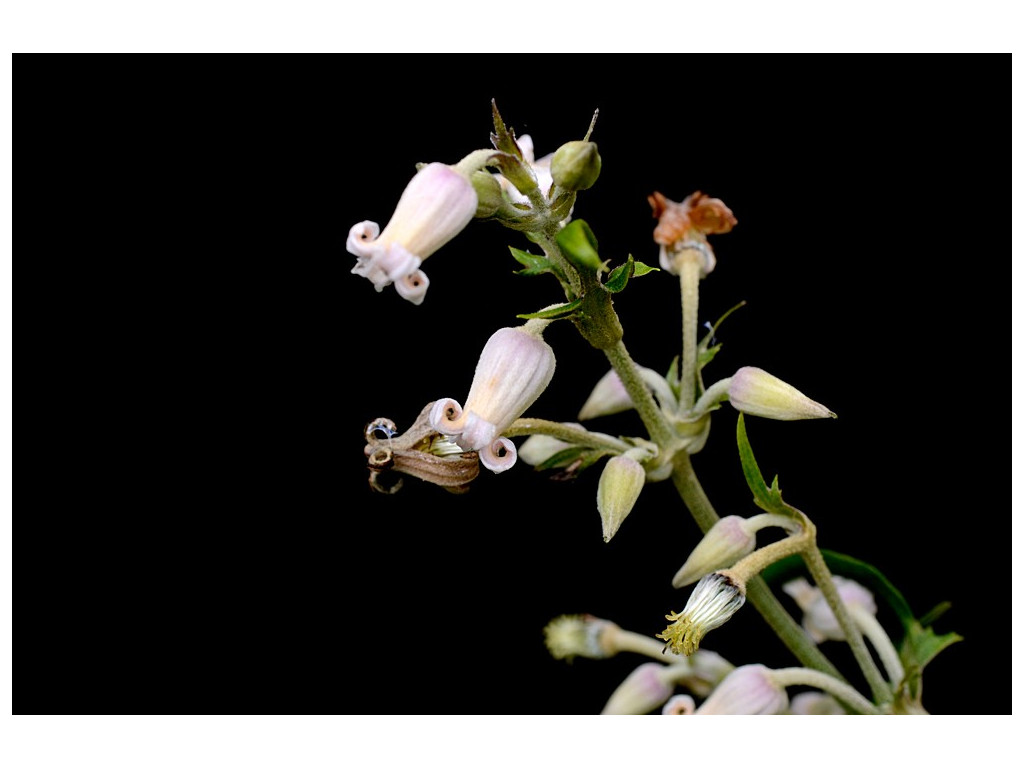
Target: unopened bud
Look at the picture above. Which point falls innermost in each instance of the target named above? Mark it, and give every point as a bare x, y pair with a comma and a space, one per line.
757, 392
576, 165
748, 690
620, 485
728, 540
645, 689
488, 193
815, 703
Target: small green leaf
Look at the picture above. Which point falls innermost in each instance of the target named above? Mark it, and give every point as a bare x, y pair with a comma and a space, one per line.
672, 377
705, 356
934, 613
619, 276
562, 457
752, 473
640, 269
702, 347
535, 265
560, 312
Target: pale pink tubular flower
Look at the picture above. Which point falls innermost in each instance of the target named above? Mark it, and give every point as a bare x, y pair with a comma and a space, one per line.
747, 690
436, 205
515, 367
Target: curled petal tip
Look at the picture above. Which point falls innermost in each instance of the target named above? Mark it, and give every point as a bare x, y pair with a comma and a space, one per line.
359, 238
499, 455
413, 287
446, 416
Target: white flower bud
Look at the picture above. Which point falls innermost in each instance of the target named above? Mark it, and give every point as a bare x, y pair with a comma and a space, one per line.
815, 703
680, 704
620, 485
537, 449
515, 367
645, 689
819, 621
609, 395
748, 690
436, 205
757, 392
728, 540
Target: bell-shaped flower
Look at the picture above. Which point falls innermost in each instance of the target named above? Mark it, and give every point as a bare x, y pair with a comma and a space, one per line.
747, 690
436, 205
515, 367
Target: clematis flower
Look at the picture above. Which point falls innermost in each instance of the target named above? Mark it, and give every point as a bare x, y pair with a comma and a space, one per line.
436, 205
515, 367
713, 602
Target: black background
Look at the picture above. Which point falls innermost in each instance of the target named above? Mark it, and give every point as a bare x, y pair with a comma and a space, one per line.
235, 558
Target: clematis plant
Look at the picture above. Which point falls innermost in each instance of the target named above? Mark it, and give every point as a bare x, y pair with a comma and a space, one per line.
767, 556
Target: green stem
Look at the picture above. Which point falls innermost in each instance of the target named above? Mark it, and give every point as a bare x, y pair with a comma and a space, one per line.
654, 419
758, 592
566, 432
823, 578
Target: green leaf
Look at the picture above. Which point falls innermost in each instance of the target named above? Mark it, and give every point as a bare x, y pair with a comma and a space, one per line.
535, 265
705, 356
579, 245
640, 269
672, 377
562, 457
702, 347
620, 275
934, 613
768, 499
560, 312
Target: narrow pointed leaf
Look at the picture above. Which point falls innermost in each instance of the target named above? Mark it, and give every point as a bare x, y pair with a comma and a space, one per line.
554, 313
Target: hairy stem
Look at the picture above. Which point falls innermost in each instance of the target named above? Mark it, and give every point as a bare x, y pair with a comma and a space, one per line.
652, 416
567, 433
823, 578
758, 592
689, 282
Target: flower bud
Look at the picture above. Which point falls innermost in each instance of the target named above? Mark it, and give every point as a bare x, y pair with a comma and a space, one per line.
645, 689
609, 395
748, 690
576, 165
488, 193
728, 540
757, 392
537, 449
815, 703
819, 620
680, 704
620, 485
515, 367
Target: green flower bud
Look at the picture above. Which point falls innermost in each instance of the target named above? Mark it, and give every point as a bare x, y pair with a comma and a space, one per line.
617, 491
488, 193
576, 165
